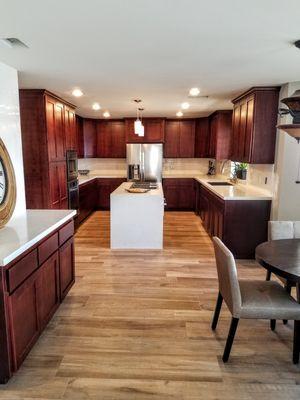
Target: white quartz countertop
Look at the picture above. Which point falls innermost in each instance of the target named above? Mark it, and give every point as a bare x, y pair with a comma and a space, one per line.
238, 191
121, 191
25, 230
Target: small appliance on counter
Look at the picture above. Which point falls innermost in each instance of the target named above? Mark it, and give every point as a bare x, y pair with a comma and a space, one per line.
211, 167
72, 180
144, 162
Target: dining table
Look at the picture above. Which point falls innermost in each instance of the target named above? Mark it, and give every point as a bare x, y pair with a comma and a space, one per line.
281, 257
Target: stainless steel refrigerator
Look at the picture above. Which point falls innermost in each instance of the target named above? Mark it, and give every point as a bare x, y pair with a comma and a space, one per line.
144, 162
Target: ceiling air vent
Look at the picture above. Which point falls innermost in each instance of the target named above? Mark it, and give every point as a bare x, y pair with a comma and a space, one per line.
13, 42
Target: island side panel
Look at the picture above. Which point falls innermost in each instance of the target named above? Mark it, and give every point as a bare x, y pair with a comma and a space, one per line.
137, 220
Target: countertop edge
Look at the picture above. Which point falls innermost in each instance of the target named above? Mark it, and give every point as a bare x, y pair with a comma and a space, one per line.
8, 259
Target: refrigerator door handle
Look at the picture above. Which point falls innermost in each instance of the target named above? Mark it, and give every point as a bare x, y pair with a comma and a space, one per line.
142, 165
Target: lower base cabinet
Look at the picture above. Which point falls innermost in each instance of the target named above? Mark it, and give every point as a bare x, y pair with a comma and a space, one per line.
66, 267
105, 187
180, 194
32, 288
241, 224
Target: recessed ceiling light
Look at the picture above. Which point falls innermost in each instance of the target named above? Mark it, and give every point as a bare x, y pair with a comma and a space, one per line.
194, 92
179, 114
185, 105
96, 106
77, 93
106, 114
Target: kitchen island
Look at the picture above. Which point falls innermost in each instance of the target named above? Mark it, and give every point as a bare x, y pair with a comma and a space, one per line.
136, 219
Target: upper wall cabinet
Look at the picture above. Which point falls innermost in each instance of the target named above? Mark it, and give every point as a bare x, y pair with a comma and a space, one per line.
202, 137
79, 133
154, 131
180, 139
254, 125
90, 137
220, 134
111, 139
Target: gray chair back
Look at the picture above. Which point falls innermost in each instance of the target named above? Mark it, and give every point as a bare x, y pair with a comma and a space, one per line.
279, 230
227, 275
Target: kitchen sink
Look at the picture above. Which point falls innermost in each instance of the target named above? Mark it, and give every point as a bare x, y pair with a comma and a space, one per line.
220, 183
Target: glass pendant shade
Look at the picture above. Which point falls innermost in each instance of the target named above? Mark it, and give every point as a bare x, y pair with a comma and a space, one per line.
137, 126
142, 131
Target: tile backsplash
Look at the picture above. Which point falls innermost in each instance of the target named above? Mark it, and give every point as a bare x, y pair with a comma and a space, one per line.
185, 165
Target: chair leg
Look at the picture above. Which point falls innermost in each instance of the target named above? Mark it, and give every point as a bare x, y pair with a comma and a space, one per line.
273, 324
268, 276
230, 338
217, 312
296, 347
288, 288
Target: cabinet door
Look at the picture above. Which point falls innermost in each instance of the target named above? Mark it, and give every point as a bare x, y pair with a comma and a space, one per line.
154, 130
80, 141
48, 289
171, 194
187, 195
66, 267
172, 138
131, 137
23, 320
187, 139
59, 131
242, 131
58, 185
90, 138
118, 144
235, 132
202, 138
249, 131
103, 139
213, 136
105, 188
70, 129
50, 121
54, 186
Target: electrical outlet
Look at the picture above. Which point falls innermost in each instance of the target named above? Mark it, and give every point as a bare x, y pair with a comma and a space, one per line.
266, 180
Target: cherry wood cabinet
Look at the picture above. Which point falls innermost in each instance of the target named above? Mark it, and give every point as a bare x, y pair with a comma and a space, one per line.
80, 139
58, 186
241, 224
48, 129
179, 194
220, 134
31, 289
111, 139
70, 129
23, 310
202, 135
254, 126
180, 139
105, 187
154, 130
90, 137
48, 289
66, 267
88, 200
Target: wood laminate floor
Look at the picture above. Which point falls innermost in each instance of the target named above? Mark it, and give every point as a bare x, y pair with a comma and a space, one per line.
136, 325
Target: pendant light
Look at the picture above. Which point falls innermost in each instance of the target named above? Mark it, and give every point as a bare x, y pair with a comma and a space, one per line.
293, 104
137, 122
141, 129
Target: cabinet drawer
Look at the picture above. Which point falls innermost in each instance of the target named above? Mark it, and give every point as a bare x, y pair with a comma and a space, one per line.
21, 270
47, 248
66, 232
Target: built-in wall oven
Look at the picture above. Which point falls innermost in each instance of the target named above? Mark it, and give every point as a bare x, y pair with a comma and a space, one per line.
72, 180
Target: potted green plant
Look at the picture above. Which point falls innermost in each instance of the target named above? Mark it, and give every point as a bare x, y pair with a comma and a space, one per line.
241, 170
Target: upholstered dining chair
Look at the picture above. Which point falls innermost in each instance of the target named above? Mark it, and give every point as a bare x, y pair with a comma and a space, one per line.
251, 299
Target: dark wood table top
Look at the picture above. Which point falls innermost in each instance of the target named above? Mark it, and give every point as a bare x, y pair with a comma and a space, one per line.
281, 257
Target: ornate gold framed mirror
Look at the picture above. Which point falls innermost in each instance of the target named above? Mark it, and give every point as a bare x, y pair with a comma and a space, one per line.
8, 191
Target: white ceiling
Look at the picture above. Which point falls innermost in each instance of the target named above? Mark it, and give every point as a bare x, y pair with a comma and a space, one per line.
118, 50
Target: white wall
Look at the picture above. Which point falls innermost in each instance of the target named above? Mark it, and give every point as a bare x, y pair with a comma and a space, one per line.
10, 131
286, 204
